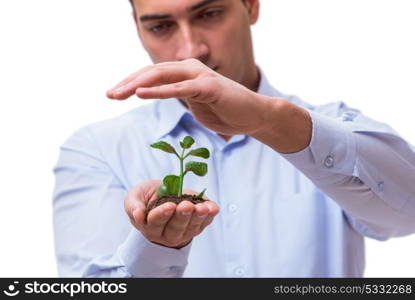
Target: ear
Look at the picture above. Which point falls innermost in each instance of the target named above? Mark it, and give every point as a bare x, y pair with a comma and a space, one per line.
253, 10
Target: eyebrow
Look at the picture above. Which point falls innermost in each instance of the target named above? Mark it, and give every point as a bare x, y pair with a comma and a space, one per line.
166, 16
201, 4
154, 17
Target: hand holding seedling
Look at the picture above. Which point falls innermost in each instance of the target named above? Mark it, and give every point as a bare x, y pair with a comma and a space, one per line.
169, 224
161, 211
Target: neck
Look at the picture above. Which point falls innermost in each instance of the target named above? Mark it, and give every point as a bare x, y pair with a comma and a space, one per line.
254, 83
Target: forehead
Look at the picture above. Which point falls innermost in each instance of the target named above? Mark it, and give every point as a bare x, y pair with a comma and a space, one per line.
170, 6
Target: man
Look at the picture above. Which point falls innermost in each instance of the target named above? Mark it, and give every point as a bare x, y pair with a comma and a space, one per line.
299, 186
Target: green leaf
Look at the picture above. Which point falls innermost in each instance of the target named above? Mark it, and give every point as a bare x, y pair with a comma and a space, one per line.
187, 142
162, 191
201, 194
166, 147
170, 186
172, 183
200, 152
199, 168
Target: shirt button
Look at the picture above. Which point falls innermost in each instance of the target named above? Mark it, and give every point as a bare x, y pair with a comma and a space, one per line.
329, 161
381, 186
232, 208
239, 271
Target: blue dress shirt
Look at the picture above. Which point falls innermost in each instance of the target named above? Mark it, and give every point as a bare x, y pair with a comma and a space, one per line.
303, 214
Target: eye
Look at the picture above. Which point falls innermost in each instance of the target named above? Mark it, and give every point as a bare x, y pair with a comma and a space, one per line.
209, 14
160, 28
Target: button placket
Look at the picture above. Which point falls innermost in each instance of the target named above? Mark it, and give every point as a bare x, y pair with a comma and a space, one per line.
239, 271
232, 208
231, 215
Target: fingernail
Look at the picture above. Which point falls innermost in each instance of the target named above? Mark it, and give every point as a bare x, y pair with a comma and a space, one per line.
168, 213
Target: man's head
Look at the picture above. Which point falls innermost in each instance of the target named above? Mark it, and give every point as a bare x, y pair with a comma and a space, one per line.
217, 32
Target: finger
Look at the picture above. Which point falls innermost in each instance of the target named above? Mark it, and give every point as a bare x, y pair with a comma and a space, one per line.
158, 218
155, 76
184, 89
135, 202
213, 211
132, 205
110, 93
141, 193
128, 79
164, 74
176, 227
147, 190
138, 216
198, 217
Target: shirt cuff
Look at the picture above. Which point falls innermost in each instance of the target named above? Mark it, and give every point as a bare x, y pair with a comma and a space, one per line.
143, 258
331, 155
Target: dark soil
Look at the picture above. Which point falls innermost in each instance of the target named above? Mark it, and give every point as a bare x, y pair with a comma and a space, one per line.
174, 199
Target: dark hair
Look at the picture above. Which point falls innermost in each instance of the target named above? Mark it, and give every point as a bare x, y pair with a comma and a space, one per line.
131, 2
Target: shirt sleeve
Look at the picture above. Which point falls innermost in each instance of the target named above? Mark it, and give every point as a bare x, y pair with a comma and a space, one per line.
366, 167
92, 233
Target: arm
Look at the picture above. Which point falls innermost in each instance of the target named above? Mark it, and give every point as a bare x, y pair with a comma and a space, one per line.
93, 234
361, 164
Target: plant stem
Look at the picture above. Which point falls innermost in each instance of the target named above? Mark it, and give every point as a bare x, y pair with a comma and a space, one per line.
181, 173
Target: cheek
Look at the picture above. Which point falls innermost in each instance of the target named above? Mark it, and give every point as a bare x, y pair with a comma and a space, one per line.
230, 47
234, 36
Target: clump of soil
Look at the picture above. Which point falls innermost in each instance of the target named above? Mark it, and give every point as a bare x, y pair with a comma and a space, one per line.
174, 199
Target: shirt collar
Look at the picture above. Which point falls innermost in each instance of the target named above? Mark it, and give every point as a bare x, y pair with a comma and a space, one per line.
170, 112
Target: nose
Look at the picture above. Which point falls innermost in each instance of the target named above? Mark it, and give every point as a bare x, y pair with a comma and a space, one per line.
191, 45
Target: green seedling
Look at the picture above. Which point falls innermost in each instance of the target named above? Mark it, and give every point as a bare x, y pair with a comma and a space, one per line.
173, 184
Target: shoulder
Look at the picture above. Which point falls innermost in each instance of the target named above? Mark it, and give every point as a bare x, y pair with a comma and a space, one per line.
119, 143
337, 109
334, 109
139, 122
140, 118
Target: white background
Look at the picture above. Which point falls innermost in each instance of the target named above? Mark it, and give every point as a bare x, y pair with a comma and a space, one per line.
57, 59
